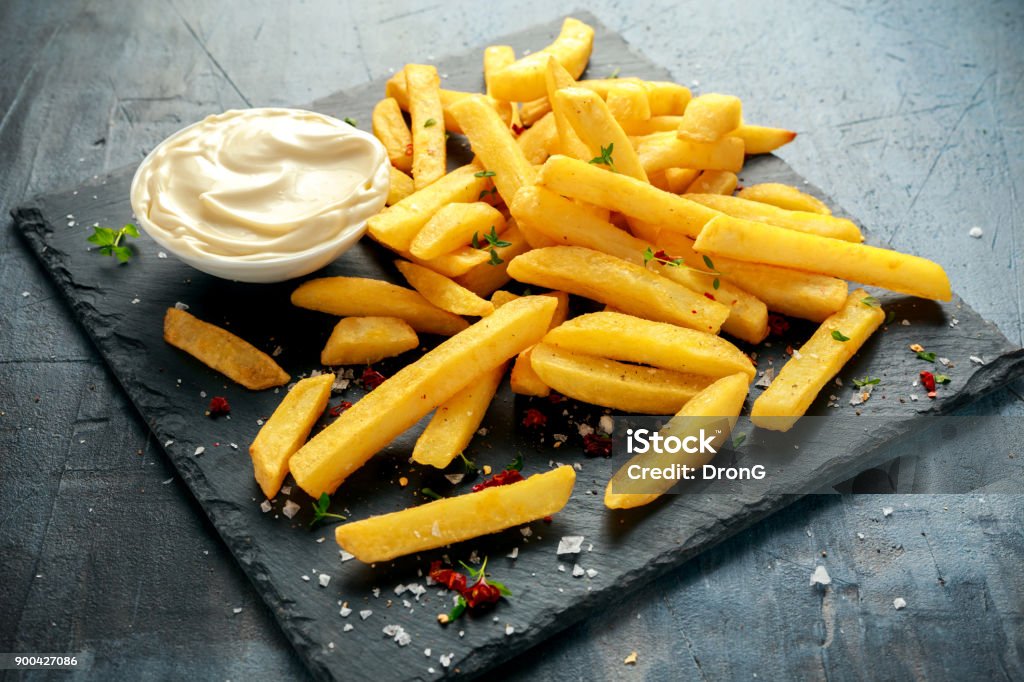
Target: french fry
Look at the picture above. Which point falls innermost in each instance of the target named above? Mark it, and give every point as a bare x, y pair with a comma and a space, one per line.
540, 140
801, 221
784, 196
401, 186
453, 227
455, 519
534, 237
390, 128
453, 264
664, 98
534, 110
568, 143
496, 58
219, 349
714, 182
804, 375
523, 380
429, 147
592, 121
403, 399
366, 340
494, 145
397, 225
397, 89
286, 430
710, 117
659, 151
629, 196
762, 140
680, 179
485, 278
362, 297
631, 339
501, 297
713, 410
628, 102
523, 80
790, 292
456, 420
613, 281
761, 243
443, 292
600, 381
655, 124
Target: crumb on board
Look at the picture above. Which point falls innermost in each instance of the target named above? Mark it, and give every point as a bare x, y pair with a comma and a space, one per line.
630, 659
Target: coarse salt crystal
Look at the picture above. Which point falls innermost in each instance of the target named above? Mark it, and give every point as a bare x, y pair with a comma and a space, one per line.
237, 610
585, 429
514, 553
135, 301
976, 232
976, 360
905, 322
591, 572
570, 544
181, 306
286, 490
577, 571
886, 511
820, 576
290, 509
365, 613
509, 630
324, 579
606, 424
345, 556
161, 254
526, 531
348, 628
200, 450
345, 610
265, 506
446, 659
306, 578
899, 603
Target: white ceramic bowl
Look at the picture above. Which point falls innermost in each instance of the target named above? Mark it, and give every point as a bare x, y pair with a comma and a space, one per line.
277, 269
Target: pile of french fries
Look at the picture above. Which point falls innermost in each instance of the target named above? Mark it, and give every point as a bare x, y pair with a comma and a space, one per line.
618, 190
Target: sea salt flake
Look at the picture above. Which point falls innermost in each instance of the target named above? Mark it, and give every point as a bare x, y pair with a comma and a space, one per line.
606, 424
455, 479
820, 576
765, 380
324, 579
570, 544
181, 306
976, 360
348, 628
290, 509
976, 232
514, 553
526, 531
345, 611
899, 603
509, 630
161, 255
585, 429
345, 556
577, 571
591, 572
237, 610
200, 450
365, 613
905, 322
265, 506
446, 659
886, 511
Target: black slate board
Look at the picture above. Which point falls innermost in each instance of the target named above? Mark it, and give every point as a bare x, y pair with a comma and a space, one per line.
121, 307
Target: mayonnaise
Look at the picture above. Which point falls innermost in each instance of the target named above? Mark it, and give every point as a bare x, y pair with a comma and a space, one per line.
259, 185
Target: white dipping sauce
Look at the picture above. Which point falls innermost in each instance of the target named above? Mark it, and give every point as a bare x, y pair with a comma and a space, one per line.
259, 184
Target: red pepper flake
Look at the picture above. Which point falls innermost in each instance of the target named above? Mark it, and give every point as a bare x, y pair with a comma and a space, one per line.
450, 578
372, 378
548, 519
707, 295
661, 255
777, 324
928, 381
534, 418
555, 397
408, 149
479, 593
597, 445
501, 478
517, 129
789, 350
218, 406
339, 408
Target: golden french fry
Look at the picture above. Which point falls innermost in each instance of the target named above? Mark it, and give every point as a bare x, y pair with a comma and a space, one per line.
761, 243
363, 297
801, 221
403, 399
784, 196
453, 264
429, 148
680, 179
286, 430
453, 227
524, 380
568, 143
714, 182
456, 420
790, 292
628, 102
804, 375
593, 122
762, 140
664, 98
629, 196
655, 124
483, 279
397, 225
396, 88
534, 110
659, 151
219, 349
501, 297
444, 292
600, 381
627, 286
523, 80
455, 519
710, 117
714, 410
537, 239
390, 128
494, 145
366, 340
540, 140
496, 58
401, 186
623, 337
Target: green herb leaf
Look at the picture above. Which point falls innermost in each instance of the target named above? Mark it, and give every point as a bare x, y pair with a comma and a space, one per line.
467, 464
870, 301
606, 157
890, 316
484, 174
320, 507
495, 258
429, 123
707, 262
615, 73
457, 610
516, 464
839, 336
109, 241
430, 493
926, 355
351, 121
866, 381
493, 239
738, 439
476, 240
648, 255
716, 283
505, 592
942, 379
